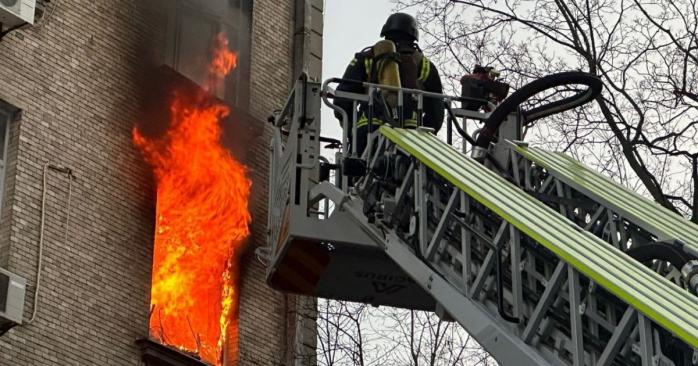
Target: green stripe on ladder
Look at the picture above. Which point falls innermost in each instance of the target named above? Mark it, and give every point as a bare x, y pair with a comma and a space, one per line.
648, 214
658, 298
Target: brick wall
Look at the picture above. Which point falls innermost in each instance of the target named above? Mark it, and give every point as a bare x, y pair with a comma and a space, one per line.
266, 316
77, 79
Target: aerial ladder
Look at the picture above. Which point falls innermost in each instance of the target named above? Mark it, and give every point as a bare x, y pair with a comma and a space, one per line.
542, 260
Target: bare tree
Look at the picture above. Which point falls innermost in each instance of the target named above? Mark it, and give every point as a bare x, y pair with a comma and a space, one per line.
643, 128
355, 334
421, 338
342, 337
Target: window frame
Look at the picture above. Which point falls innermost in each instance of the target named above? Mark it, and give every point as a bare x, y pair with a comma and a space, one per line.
236, 88
8, 114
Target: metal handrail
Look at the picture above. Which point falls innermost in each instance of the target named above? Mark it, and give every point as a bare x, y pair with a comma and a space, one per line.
425, 93
286, 110
328, 93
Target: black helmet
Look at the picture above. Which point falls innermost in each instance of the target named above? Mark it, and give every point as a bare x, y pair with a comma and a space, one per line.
401, 23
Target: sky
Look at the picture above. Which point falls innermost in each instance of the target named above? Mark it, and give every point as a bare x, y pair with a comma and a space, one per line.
350, 26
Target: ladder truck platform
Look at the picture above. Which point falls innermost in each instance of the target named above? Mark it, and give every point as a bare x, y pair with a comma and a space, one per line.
541, 259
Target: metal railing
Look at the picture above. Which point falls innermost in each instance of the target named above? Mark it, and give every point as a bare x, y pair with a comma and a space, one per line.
372, 99
299, 117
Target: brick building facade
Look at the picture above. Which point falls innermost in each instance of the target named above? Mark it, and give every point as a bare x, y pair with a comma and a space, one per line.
77, 79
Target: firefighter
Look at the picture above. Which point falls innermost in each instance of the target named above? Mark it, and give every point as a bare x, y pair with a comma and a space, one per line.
483, 84
396, 61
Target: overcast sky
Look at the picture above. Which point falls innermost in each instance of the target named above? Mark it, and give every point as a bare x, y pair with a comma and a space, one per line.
350, 26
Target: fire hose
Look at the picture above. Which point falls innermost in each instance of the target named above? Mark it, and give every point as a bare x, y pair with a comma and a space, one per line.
510, 104
673, 253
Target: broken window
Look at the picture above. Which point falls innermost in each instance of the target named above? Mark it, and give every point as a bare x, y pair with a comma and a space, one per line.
193, 301
193, 24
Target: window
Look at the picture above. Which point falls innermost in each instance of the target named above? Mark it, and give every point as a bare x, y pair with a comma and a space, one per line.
191, 26
7, 115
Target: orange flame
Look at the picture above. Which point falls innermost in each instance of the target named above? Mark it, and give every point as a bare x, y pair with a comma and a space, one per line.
224, 61
202, 222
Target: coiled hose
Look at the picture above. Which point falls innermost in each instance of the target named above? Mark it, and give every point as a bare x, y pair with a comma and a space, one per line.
510, 104
665, 252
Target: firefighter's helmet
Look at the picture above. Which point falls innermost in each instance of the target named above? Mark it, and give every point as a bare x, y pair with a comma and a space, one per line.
402, 24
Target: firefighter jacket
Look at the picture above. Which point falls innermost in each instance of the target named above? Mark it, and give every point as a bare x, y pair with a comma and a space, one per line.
416, 72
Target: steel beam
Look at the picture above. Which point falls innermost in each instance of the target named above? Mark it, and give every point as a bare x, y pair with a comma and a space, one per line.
435, 241
575, 317
619, 337
546, 300
498, 339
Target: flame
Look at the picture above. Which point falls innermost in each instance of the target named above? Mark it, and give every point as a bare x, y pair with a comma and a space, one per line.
202, 222
224, 61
